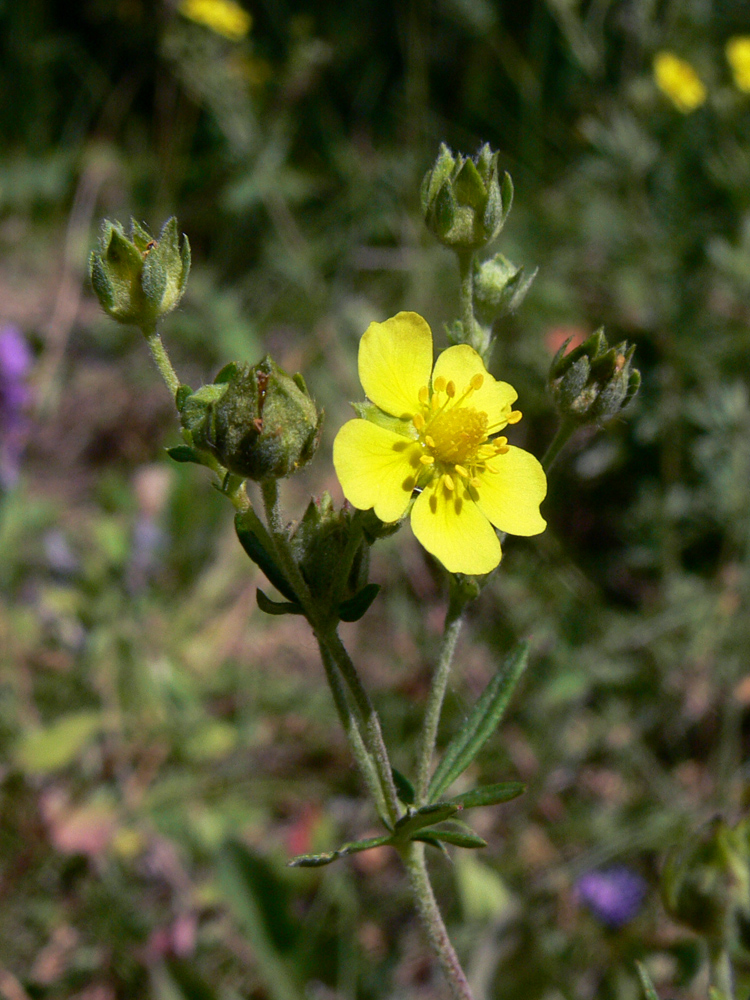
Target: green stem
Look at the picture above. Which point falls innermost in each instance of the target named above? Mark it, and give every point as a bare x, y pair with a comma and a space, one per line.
451, 630
564, 433
351, 728
466, 293
327, 636
432, 919
369, 717
160, 356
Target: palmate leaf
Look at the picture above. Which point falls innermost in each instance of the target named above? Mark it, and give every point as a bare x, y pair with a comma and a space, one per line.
482, 722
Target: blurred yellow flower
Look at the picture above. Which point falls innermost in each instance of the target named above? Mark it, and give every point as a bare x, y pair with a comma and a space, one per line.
225, 17
438, 434
678, 80
738, 56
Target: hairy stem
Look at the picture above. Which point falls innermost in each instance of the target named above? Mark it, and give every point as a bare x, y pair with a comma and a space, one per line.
466, 273
564, 433
432, 920
451, 630
161, 358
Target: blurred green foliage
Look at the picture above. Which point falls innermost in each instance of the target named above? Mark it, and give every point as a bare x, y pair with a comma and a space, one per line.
164, 748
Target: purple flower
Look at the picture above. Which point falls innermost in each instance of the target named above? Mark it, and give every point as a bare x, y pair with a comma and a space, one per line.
15, 362
614, 895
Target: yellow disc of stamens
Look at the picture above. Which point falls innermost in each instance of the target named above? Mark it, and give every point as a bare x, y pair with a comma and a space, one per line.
439, 384
514, 416
427, 460
448, 482
477, 381
451, 389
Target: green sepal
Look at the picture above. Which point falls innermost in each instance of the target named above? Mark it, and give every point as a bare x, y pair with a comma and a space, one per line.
181, 396
354, 847
353, 609
417, 819
468, 186
226, 373
648, 986
481, 724
184, 453
457, 838
252, 546
276, 607
489, 795
368, 411
404, 787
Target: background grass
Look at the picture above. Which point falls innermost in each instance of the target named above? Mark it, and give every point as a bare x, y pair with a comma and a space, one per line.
148, 711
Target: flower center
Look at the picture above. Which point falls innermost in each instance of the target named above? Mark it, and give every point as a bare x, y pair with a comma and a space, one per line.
456, 434
454, 437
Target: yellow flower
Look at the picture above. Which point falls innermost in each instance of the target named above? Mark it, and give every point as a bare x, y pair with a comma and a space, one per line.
738, 56
225, 17
678, 80
438, 435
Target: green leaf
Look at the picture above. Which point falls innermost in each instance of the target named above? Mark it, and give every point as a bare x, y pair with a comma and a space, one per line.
42, 751
489, 795
354, 847
353, 609
458, 838
648, 986
404, 787
184, 453
276, 607
226, 373
429, 838
418, 819
251, 544
482, 722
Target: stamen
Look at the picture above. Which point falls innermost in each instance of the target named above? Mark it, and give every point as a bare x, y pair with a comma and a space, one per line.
461, 471
424, 395
451, 389
448, 482
429, 441
418, 421
435, 402
476, 482
477, 381
439, 384
514, 416
427, 460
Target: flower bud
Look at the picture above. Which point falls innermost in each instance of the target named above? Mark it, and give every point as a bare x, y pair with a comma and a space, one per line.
594, 381
499, 288
319, 543
259, 422
138, 279
464, 201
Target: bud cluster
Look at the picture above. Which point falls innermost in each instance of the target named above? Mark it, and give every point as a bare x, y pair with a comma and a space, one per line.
594, 381
138, 279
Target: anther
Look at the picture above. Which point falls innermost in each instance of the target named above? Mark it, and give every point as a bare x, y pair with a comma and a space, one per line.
461, 471
477, 381
451, 389
439, 384
476, 482
448, 482
427, 460
514, 416
429, 441
424, 395
418, 421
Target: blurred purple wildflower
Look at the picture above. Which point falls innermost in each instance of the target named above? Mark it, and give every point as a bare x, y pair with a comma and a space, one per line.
614, 895
15, 362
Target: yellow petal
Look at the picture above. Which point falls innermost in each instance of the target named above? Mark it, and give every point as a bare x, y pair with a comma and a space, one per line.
511, 490
459, 364
395, 361
376, 468
450, 526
